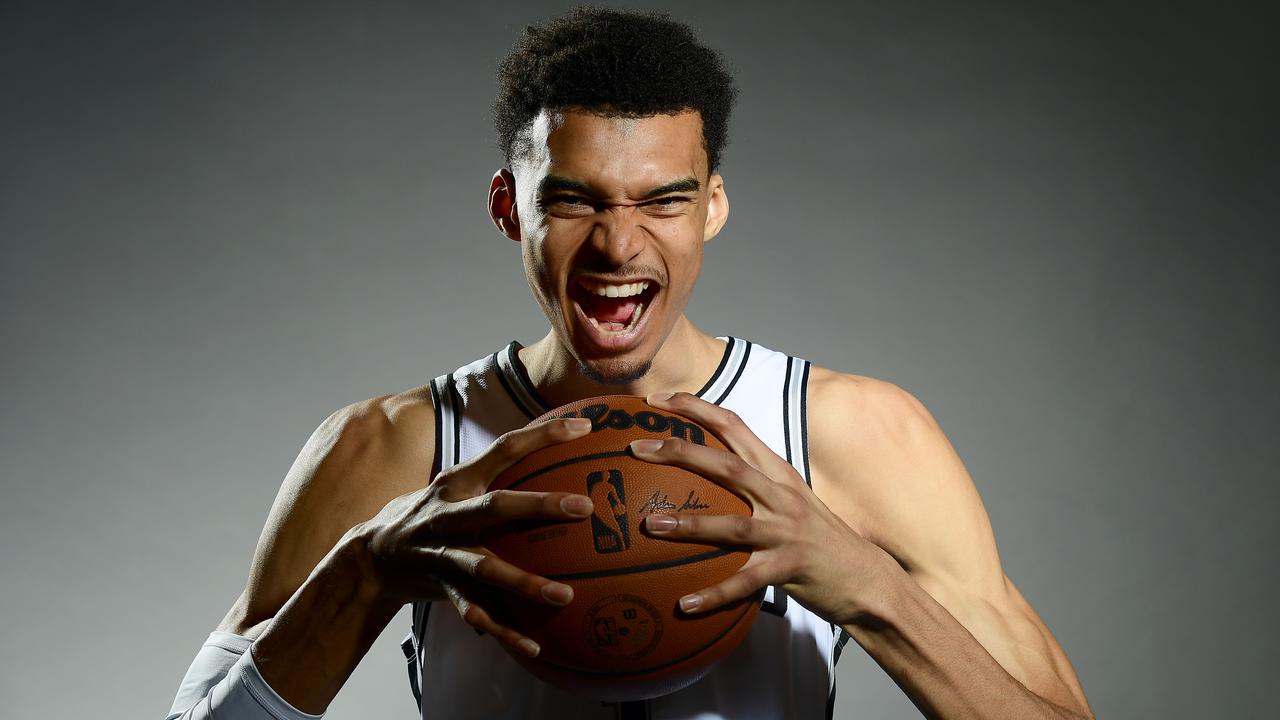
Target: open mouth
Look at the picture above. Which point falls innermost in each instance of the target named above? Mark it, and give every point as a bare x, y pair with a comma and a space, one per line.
613, 310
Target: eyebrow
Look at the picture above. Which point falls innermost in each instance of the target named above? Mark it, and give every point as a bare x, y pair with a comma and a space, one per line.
553, 183
687, 184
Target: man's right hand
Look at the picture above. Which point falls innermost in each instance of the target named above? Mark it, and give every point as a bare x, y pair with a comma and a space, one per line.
425, 544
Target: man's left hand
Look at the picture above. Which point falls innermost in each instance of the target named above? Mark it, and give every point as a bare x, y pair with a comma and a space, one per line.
799, 544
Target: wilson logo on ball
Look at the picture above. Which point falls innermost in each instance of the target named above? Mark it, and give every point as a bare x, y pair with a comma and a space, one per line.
602, 416
609, 530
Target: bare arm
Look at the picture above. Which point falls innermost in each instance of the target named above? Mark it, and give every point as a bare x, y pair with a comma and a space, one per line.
312, 603
949, 627
891, 543
357, 531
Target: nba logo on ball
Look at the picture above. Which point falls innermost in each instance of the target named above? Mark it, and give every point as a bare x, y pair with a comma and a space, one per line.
608, 530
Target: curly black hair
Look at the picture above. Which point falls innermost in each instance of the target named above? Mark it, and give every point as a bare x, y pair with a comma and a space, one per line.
617, 64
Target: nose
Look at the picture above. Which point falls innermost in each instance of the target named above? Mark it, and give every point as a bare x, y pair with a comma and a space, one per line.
618, 236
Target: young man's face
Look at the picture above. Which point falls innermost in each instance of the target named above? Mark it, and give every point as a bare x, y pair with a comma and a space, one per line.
612, 214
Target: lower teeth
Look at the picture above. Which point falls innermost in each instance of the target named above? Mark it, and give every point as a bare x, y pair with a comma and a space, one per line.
635, 320
635, 317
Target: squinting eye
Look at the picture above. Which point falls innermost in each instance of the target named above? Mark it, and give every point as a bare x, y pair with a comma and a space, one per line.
669, 202
566, 201
566, 205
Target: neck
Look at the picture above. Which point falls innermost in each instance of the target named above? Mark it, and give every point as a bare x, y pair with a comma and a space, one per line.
684, 363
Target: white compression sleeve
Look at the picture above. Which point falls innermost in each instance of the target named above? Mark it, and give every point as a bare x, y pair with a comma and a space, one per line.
223, 682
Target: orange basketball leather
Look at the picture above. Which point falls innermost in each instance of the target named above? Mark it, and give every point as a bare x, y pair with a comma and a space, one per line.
623, 637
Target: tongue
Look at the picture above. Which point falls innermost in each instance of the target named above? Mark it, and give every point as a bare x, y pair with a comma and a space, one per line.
607, 309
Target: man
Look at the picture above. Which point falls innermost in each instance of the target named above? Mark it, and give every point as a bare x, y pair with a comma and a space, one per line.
865, 525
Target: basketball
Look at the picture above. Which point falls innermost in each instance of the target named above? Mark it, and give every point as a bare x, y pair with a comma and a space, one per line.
623, 637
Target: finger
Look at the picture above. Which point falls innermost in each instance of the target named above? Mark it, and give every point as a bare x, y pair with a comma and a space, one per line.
478, 618
469, 517
487, 568
730, 428
513, 446
718, 466
748, 580
473, 476
742, 530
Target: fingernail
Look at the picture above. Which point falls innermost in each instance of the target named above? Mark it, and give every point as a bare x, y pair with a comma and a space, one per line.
645, 447
660, 523
689, 603
557, 593
577, 505
528, 647
578, 425
658, 397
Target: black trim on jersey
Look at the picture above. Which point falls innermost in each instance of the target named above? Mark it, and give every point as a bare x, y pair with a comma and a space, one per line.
409, 646
422, 609
841, 641
406, 647
435, 407
804, 423
506, 385
776, 606
523, 376
457, 419
742, 365
724, 361
526, 383
414, 643
786, 412
632, 570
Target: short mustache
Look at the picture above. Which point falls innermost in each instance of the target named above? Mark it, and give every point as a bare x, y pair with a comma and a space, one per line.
623, 273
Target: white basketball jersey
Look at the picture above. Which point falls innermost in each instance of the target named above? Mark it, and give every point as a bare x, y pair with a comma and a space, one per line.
784, 669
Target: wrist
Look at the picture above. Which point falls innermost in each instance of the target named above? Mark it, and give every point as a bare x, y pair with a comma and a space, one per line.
354, 555
882, 592
321, 633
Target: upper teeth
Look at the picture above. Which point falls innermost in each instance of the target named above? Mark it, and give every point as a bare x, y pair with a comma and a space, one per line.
617, 290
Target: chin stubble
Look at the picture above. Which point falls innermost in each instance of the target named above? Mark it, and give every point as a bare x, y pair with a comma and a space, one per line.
629, 376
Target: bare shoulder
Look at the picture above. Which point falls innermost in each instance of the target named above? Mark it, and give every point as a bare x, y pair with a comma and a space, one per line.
863, 409
861, 418
356, 461
881, 462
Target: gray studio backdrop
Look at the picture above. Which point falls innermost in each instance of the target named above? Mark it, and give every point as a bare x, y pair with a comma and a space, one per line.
223, 221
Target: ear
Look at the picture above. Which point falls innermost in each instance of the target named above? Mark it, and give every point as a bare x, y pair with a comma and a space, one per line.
502, 204
717, 208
